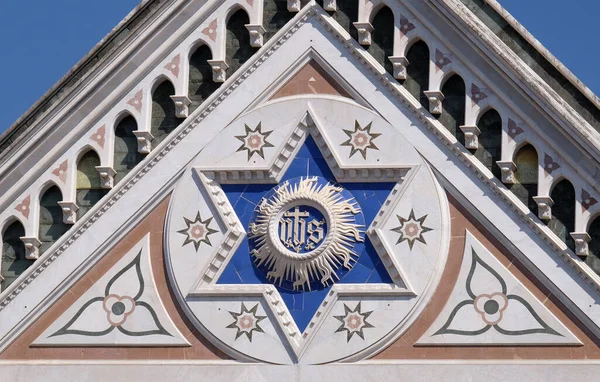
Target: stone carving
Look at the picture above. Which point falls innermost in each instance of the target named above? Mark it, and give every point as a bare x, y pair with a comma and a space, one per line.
256, 34
294, 5
181, 105
544, 204
582, 240
435, 101
69, 210
471, 136
301, 247
32, 247
399, 64
107, 176
330, 5
354, 321
507, 169
360, 139
364, 32
144, 140
219, 70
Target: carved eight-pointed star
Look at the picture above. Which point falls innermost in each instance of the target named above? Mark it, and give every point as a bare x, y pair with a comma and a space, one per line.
411, 229
353, 322
254, 141
246, 322
360, 140
197, 231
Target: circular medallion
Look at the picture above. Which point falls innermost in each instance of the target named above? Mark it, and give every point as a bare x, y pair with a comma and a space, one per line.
306, 234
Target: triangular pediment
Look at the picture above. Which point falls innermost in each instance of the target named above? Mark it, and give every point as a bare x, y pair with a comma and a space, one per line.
311, 87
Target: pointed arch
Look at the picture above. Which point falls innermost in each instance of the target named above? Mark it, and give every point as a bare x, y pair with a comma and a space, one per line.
275, 16
237, 49
126, 155
51, 226
201, 84
13, 252
525, 186
490, 141
417, 72
88, 187
163, 120
563, 211
382, 37
454, 103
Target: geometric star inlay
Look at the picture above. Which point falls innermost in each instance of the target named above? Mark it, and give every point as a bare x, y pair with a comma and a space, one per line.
197, 231
360, 139
254, 141
246, 322
411, 229
353, 322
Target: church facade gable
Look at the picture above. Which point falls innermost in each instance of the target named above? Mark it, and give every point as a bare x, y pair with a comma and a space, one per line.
255, 169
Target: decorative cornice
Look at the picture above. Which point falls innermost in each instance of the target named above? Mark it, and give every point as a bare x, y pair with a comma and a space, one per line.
149, 162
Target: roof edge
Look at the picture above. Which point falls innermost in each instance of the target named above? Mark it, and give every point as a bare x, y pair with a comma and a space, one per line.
544, 52
61, 88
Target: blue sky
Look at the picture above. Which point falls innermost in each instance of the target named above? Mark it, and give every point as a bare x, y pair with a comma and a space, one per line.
40, 40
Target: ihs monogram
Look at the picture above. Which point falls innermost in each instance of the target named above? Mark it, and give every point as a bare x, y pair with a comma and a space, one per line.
294, 229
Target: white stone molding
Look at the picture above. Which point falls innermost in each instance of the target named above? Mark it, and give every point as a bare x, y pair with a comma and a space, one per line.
435, 101
507, 168
489, 306
364, 32
582, 240
107, 176
544, 204
181, 105
144, 140
330, 5
399, 64
578, 295
471, 136
256, 34
32, 247
219, 70
69, 210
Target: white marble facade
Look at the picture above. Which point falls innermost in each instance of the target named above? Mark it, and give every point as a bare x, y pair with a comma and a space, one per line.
357, 232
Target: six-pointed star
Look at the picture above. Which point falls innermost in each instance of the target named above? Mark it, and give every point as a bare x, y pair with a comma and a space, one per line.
302, 306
